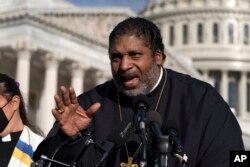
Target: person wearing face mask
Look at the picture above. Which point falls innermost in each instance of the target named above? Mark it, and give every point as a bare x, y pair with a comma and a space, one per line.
17, 141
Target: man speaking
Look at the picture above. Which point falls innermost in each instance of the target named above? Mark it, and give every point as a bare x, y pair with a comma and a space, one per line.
207, 129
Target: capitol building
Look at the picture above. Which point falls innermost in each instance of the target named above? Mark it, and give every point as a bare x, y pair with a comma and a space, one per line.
48, 43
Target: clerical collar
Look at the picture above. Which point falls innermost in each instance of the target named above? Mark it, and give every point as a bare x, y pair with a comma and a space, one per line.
14, 136
158, 82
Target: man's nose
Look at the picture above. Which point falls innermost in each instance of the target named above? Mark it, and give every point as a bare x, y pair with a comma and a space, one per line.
126, 63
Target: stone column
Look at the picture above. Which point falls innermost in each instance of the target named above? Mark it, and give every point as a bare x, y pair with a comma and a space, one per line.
236, 30
24, 52
178, 33
208, 78
165, 33
224, 32
208, 31
205, 75
224, 3
241, 32
224, 85
45, 118
102, 76
210, 3
78, 74
193, 32
243, 94
212, 81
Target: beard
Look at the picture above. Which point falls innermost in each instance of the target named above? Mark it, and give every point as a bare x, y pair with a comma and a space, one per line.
147, 81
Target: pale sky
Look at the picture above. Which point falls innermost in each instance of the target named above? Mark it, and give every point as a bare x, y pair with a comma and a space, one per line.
135, 5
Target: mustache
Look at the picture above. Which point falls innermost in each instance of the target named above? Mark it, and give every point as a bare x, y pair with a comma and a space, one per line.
127, 74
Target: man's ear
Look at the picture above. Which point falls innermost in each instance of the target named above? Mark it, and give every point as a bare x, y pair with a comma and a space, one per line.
15, 102
158, 57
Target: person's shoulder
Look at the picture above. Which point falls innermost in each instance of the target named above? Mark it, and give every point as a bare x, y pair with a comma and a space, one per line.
185, 78
97, 94
100, 89
33, 138
33, 135
193, 85
106, 86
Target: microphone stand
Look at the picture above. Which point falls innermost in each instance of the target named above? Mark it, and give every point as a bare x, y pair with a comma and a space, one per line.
141, 119
181, 156
44, 159
163, 150
160, 151
87, 141
143, 162
178, 149
140, 105
86, 137
105, 147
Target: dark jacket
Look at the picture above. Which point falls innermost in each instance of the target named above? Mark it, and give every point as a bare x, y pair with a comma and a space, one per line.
207, 129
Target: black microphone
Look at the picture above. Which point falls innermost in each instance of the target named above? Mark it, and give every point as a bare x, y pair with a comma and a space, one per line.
119, 135
41, 162
155, 122
116, 139
104, 148
140, 106
172, 130
174, 139
84, 137
161, 143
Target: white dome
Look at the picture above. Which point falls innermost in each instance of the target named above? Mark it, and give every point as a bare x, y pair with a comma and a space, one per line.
152, 2
229, 3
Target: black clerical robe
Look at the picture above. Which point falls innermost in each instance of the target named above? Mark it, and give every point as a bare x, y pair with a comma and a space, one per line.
207, 129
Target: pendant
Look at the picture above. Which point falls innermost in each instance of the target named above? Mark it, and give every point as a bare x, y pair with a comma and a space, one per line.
129, 164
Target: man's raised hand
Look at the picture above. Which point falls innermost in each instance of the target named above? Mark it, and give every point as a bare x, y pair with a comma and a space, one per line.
69, 114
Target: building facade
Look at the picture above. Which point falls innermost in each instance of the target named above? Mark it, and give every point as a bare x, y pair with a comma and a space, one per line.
45, 44
214, 35
51, 43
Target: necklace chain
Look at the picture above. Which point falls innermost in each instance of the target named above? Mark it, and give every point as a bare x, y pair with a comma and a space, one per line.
156, 107
159, 99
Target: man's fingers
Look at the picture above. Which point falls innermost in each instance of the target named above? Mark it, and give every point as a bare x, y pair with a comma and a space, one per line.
72, 95
59, 103
56, 114
92, 110
65, 95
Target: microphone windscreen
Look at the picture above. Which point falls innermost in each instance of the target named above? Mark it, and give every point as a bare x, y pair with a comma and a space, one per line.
120, 134
153, 116
173, 132
139, 99
171, 127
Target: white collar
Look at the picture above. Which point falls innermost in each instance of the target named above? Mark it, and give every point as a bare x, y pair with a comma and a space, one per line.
158, 82
6, 138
